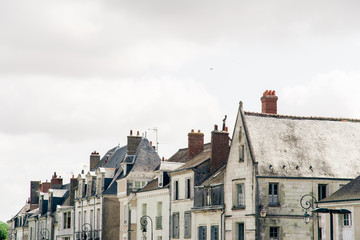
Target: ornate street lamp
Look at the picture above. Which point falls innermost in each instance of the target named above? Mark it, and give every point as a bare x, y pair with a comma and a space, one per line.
262, 211
86, 231
144, 223
306, 202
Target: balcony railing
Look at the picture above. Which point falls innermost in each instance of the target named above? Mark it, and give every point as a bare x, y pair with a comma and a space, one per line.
209, 196
89, 235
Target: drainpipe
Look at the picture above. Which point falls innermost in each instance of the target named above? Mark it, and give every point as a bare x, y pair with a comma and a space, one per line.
257, 210
222, 224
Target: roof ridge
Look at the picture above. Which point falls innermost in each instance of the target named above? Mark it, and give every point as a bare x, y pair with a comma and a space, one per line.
301, 117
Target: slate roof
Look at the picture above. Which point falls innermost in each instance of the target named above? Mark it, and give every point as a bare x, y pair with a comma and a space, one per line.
196, 161
349, 192
116, 156
146, 162
182, 154
216, 178
304, 147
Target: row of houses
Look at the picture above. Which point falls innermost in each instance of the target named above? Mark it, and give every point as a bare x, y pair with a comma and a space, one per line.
262, 182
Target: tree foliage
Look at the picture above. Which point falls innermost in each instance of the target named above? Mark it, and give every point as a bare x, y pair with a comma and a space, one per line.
3, 231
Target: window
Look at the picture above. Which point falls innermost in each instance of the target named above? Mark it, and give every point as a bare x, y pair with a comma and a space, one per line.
215, 232
347, 219
241, 232
139, 184
125, 214
67, 220
202, 232
240, 200
273, 194
187, 188
92, 217
322, 191
144, 206
274, 233
159, 238
98, 219
187, 219
175, 228
84, 221
241, 153
176, 190
159, 216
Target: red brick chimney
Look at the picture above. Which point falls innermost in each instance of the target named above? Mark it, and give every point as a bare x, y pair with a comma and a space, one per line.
94, 160
44, 187
219, 147
195, 143
269, 102
56, 182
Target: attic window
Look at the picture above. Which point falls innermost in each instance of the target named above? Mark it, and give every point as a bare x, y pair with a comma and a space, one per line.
129, 159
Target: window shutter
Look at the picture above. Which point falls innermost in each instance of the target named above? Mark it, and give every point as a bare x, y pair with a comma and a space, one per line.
187, 217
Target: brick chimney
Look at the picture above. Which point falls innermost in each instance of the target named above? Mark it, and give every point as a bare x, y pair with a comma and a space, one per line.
56, 182
219, 147
44, 187
195, 143
94, 160
73, 185
269, 102
133, 143
34, 194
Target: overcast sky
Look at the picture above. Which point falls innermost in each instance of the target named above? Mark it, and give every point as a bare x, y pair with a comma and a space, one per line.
76, 76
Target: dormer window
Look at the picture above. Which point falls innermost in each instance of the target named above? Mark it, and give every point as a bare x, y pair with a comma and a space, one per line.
139, 184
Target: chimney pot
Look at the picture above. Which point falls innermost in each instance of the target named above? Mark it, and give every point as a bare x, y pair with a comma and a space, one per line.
226, 129
130, 132
138, 133
192, 130
151, 143
215, 127
199, 131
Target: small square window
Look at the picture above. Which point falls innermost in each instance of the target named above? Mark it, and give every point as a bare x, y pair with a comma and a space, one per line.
274, 233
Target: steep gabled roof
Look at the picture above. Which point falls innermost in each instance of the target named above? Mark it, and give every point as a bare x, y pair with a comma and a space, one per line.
349, 192
304, 147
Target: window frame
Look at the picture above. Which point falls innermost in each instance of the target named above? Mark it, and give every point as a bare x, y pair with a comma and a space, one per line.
274, 194
322, 190
203, 234
347, 221
175, 225
187, 188
176, 190
274, 233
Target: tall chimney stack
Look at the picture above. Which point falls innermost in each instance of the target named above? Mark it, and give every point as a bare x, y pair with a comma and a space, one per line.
94, 160
219, 147
73, 185
34, 194
133, 143
56, 182
195, 143
269, 102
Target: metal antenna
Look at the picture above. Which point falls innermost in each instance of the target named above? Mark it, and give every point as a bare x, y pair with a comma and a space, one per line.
155, 129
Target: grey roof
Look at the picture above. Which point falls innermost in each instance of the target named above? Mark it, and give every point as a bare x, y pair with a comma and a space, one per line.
146, 161
181, 155
349, 192
216, 178
304, 147
116, 156
196, 161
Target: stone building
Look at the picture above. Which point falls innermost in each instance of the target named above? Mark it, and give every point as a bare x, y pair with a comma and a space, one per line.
98, 204
274, 160
201, 164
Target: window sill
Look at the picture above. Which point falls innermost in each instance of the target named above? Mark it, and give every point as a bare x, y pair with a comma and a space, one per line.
274, 205
238, 207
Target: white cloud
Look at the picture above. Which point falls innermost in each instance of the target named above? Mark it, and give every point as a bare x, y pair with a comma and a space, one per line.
334, 94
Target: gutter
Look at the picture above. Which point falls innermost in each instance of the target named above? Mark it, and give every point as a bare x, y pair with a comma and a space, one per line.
257, 210
222, 224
